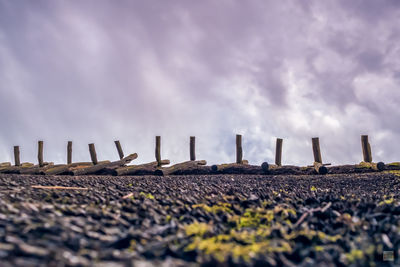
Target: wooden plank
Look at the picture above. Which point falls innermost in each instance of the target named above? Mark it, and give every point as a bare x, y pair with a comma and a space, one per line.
69, 168
380, 166
5, 164
316, 150
239, 149
16, 156
158, 150
40, 153
93, 154
192, 148
278, 152
69, 152
104, 166
17, 169
10, 170
119, 148
366, 148
36, 169
27, 164
180, 167
64, 169
237, 168
147, 168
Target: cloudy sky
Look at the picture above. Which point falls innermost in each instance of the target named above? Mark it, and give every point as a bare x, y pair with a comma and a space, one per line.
97, 71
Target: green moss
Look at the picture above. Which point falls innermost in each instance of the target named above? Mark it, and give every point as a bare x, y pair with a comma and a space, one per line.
219, 207
253, 218
148, 195
197, 229
319, 248
312, 234
239, 245
354, 255
132, 245
386, 201
313, 188
285, 211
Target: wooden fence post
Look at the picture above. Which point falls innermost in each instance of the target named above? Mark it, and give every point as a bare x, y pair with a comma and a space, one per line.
316, 150
69, 152
93, 155
318, 166
366, 148
119, 148
158, 150
40, 153
192, 148
239, 149
278, 152
16, 156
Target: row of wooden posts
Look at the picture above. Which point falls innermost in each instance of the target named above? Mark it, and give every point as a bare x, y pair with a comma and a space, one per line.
319, 166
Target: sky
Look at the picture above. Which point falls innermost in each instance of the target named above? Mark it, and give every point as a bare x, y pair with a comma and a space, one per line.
98, 71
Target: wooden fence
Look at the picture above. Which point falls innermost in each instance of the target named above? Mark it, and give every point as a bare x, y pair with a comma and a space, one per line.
193, 166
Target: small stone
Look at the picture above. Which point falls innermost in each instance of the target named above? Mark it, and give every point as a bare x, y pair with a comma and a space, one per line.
6, 247
29, 250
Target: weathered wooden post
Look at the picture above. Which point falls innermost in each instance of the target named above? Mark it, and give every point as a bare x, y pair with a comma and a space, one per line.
93, 155
367, 155
192, 148
16, 156
239, 149
318, 166
69, 152
278, 152
158, 150
316, 150
119, 148
366, 148
40, 153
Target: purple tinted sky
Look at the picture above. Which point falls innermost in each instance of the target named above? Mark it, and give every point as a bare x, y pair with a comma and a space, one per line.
96, 71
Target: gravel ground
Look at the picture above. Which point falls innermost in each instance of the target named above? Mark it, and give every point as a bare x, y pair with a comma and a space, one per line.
213, 220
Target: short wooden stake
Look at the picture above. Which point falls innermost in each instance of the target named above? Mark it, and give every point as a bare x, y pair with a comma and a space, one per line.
278, 152
40, 153
316, 150
119, 148
366, 148
192, 148
93, 155
239, 150
16, 156
69, 152
158, 150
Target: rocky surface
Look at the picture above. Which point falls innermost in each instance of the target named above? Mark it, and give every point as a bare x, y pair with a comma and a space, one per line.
213, 220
